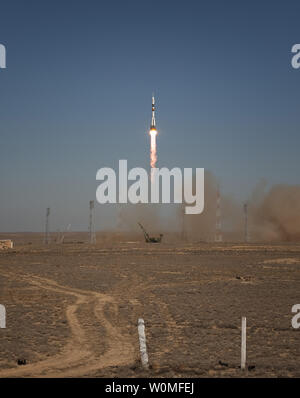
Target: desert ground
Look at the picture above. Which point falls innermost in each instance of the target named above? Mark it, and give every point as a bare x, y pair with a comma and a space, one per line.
72, 308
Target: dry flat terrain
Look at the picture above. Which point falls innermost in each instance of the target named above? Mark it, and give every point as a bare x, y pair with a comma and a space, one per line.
72, 308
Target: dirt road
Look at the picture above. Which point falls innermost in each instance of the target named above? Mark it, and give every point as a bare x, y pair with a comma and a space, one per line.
72, 310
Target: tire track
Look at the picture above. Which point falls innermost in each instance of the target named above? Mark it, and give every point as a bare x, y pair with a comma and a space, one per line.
77, 357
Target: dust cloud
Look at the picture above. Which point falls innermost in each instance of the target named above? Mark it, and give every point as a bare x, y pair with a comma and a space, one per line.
273, 215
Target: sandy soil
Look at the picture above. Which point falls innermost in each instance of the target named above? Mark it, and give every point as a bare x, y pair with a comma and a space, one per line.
72, 309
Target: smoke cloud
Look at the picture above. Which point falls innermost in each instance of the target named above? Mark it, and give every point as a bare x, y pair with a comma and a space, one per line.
275, 214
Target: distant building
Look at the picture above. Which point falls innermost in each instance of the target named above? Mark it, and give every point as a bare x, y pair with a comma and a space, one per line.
6, 244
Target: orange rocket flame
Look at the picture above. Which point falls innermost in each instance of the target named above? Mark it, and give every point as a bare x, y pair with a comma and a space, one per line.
153, 155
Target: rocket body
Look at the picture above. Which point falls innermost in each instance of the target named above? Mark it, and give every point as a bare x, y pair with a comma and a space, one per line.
153, 133
153, 124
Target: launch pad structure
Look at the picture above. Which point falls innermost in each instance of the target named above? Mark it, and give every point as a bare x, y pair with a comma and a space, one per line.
148, 238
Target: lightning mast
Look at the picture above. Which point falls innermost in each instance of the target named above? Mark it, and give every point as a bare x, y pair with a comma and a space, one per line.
183, 231
246, 236
218, 235
47, 233
91, 223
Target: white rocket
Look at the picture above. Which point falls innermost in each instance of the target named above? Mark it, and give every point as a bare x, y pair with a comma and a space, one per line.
153, 124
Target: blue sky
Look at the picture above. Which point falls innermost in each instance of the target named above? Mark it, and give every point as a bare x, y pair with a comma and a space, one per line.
76, 96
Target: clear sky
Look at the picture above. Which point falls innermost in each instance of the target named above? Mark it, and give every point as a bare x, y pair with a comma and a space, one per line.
76, 96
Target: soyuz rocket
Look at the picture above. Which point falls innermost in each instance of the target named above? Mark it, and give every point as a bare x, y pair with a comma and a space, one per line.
153, 124
153, 133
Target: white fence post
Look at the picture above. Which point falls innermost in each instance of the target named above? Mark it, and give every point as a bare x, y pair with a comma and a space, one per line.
243, 345
143, 347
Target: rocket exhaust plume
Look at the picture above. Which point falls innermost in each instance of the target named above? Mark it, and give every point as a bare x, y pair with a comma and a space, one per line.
153, 134
153, 155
